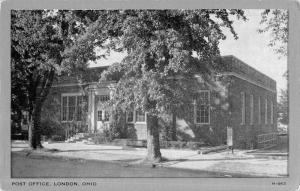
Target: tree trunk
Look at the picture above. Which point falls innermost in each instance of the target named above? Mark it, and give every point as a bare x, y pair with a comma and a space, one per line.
34, 131
38, 98
173, 128
153, 146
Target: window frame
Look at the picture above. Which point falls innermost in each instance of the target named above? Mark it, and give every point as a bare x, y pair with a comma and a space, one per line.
259, 110
103, 98
79, 106
195, 109
139, 122
64, 108
72, 108
67, 95
272, 113
133, 113
243, 107
266, 111
98, 112
134, 121
251, 109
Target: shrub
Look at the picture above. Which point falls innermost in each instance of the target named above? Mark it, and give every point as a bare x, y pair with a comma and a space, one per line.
100, 138
57, 138
110, 133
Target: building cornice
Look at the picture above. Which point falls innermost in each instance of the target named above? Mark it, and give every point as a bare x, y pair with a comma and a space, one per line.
110, 83
248, 80
83, 84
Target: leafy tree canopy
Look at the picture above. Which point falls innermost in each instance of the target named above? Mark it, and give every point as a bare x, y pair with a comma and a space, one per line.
276, 23
164, 48
40, 42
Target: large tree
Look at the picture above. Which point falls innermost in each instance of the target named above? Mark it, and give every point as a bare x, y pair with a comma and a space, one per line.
275, 22
164, 49
40, 44
283, 105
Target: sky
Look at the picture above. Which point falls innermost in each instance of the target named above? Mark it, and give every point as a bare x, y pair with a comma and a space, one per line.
251, 47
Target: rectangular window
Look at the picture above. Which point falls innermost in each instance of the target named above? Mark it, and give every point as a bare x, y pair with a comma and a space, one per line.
79, 108
251, 109
64, 108
202, 108
103, 98
259, 111
140, 116
106, 115
71, 108
102, 115
99, 115
129, 116
272, 114
266, 111
243, 108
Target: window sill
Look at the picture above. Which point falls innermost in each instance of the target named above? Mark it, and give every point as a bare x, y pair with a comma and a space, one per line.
202, 123
140, 122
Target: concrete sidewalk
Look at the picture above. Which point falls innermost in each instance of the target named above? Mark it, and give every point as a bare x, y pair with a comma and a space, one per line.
240, 162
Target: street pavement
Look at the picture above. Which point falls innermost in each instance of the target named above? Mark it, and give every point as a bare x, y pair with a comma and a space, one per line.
52, 167
240, 162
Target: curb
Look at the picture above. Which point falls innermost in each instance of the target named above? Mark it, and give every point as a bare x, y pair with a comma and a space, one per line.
34, 155
214, 149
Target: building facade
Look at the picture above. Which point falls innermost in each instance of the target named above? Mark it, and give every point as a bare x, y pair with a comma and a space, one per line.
244, 100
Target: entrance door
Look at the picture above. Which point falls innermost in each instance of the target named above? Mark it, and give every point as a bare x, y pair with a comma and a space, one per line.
102, 119
102, 114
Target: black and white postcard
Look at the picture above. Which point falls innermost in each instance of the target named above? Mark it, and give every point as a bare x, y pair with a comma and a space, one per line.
99, 95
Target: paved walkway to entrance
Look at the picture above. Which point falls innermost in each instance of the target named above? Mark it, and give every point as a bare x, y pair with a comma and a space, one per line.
239, 162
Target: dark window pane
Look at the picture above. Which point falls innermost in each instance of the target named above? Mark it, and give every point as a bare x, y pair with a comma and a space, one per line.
79, 108
106, 115
202, 107
64, 108
103, 98
140, 116
99, 115
64, 114
129, 116
72, 100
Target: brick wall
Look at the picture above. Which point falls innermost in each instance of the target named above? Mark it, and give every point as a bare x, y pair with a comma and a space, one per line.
213, 133
245, 135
